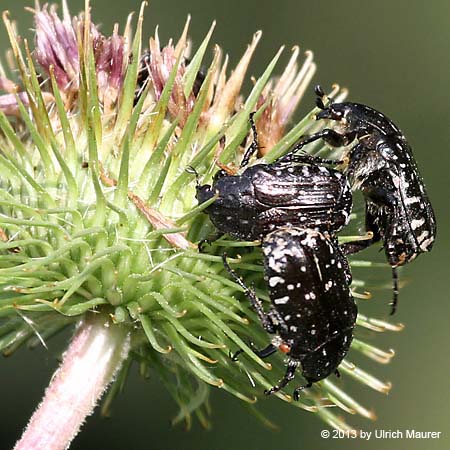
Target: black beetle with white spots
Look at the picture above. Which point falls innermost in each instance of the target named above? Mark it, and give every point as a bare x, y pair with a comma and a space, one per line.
296, 205
313, 312
382, 166
265, 197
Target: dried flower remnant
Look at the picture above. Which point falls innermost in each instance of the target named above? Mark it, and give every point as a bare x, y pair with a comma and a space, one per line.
282, 98
98, 212
161, 63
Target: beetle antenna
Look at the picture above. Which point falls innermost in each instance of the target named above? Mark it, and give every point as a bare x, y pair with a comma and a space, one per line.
193, 171
319, 103
254, 146
318, 90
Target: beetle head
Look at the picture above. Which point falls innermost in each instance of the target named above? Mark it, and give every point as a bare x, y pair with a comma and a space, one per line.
220, 174
204, 193
335, 111
342, 113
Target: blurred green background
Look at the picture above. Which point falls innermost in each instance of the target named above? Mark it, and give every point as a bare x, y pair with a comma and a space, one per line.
394, 56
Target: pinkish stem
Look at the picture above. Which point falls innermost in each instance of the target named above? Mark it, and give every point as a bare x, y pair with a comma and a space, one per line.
90, 363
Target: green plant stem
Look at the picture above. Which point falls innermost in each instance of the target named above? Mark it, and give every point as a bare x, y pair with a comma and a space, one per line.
90, 363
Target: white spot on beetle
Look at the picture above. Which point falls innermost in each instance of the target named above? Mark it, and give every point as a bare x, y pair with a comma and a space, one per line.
273, 281
425, 244
416, 223
412, 200
423, 236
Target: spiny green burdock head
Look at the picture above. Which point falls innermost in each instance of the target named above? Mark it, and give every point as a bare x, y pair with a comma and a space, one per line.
98, 212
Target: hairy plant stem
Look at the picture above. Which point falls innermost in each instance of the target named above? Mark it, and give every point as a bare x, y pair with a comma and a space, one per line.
90, 363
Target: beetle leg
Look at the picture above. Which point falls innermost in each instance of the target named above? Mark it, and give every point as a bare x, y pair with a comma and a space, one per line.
288, 376
349, 248
297, 390
263, 353
384, 196
209, 240
234, 356
380, 195
331, 137
277, 320
307, 158
252, 297
394, 290
254, 146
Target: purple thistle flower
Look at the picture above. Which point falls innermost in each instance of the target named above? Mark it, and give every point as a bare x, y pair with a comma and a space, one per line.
56, 46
